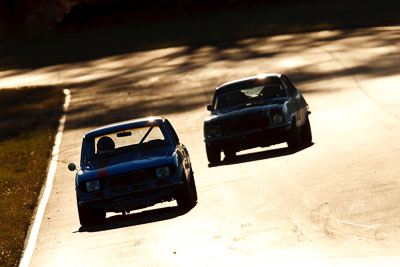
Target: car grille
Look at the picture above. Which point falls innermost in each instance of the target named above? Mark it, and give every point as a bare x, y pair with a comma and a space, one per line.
135, 180
244, 125
130, 178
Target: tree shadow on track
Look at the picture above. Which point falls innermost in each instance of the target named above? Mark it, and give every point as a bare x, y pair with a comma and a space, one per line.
273, 153
120, 86
178, 80
134, 219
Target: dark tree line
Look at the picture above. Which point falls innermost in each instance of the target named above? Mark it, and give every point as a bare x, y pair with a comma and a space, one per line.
26, 17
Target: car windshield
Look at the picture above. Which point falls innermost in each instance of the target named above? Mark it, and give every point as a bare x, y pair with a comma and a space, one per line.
248, 95
127, 140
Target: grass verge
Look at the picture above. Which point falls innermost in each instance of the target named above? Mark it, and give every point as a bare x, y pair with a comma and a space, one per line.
28, 122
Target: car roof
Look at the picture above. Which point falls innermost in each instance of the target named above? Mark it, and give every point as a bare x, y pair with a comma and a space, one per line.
248, 79
119, 126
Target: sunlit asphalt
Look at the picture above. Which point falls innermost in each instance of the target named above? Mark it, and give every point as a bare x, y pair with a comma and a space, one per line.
336, 202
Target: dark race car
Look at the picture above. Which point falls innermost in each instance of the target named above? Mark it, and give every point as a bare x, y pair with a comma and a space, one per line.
132, 165
257, 111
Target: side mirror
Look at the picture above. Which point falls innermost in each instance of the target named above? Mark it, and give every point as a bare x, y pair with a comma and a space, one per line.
72, 167
209, 107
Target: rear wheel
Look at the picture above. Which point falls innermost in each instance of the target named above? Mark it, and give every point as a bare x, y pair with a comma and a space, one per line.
294, 140
213, 153
187, 197
88, 216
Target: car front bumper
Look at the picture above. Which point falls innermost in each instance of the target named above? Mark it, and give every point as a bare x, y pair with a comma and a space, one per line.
134, 200
252, 138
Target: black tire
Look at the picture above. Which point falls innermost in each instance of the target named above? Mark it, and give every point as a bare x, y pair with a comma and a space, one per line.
187, 197
229, 152
306, 134
213, 154
88, 216
294, 140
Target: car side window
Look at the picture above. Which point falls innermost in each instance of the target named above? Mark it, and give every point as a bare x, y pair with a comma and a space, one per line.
172, 131
289, 86
88, 150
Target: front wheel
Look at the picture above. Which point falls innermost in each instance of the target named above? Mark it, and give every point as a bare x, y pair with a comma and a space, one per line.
213, 154
294, 137
88, 216
306, 134
187, 197
229, 152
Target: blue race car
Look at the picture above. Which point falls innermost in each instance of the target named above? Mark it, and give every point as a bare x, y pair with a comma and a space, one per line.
132, 165
256, 111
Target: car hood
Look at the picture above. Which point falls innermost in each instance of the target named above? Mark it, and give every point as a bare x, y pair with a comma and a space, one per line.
242, 112
125, 163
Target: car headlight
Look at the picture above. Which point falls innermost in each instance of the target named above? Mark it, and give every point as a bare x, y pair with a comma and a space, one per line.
163, 172
93, 185
211, 131
277, 118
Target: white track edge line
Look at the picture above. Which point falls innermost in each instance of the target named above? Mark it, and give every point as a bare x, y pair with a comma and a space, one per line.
49, 184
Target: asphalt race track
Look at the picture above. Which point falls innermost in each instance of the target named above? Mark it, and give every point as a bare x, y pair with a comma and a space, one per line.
336, 202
